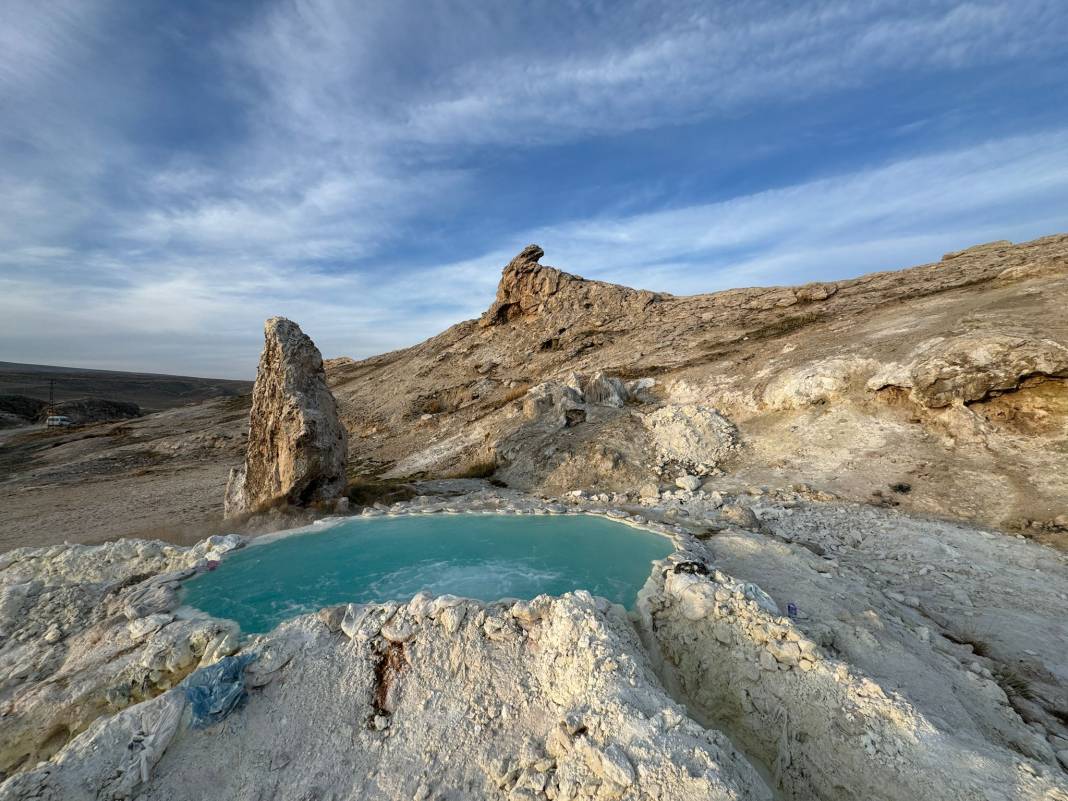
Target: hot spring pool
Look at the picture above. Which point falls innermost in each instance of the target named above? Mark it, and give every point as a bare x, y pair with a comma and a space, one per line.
377, 559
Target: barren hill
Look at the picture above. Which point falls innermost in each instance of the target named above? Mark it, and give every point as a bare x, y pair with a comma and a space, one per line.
764, 431
946, 381
940, 388
151, 391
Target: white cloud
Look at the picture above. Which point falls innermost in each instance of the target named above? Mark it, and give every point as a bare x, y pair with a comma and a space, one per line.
891, 216
354, 118
886, 217
502, 81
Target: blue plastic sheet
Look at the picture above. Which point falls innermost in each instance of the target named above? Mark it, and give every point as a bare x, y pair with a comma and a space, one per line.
215, 691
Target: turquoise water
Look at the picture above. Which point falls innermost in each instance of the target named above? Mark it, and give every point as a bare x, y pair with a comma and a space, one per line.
391, 559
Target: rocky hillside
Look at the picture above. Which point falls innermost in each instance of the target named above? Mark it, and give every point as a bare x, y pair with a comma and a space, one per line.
942, 388
764, 431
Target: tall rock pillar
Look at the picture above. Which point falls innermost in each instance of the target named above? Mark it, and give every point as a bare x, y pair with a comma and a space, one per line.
297, 446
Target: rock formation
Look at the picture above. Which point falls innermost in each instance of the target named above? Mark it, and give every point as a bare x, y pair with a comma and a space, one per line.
527, 288
970, 368
88, 630
951, 377
806, 639
791, 664
297, 446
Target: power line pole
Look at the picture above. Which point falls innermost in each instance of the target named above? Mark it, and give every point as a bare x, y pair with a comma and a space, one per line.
51, 396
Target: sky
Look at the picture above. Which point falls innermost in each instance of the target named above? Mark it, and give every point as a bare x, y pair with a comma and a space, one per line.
171, 174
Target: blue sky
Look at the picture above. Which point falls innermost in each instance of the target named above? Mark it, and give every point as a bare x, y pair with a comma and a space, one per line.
173, 173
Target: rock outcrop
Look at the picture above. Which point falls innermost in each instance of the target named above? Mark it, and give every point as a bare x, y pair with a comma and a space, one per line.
926, 376
86, 631
974, 367
760, 676
296, 444
528, 288
435, 698
691, 436
809, 675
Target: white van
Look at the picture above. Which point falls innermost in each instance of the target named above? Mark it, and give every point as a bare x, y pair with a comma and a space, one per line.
58, 421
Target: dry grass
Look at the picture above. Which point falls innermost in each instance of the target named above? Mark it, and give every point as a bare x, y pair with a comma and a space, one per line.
433, 406
515, 393
1013, 682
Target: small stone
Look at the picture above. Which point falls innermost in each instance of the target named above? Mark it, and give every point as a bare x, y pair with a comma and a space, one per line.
558, 743
353, 617
961, 597
332, 617
398, 629
144, 626
615, 767
688, 483
741, 516
649, 491
451, 618
789, 653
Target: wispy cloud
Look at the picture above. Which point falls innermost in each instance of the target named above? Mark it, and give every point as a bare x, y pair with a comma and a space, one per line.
499, 81
881, 218
168, 183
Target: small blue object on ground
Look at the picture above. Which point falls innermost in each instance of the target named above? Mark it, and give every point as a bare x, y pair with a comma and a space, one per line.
215, 691
791, 609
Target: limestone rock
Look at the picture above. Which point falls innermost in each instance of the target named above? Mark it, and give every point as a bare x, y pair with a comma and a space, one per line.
971, 368
815, 382
688, 483
691, 434
737, 659
528, 288
297, 446
466, 715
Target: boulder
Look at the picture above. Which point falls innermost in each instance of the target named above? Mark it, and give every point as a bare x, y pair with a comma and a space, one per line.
688, 483
296, 444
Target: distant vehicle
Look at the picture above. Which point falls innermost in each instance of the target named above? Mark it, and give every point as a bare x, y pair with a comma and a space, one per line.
58, 421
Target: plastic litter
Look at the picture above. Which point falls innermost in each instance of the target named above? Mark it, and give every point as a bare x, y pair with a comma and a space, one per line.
217, 690
765, 601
